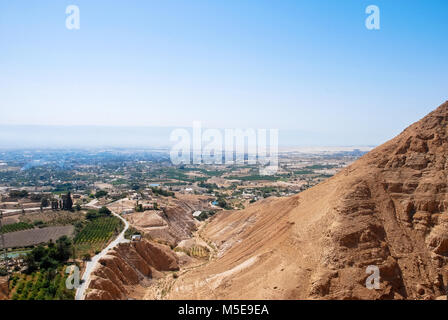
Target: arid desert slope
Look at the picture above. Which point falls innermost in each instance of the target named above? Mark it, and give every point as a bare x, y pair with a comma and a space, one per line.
388, 209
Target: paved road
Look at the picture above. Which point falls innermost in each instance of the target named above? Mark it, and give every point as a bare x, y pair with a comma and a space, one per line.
93, 204
81, 291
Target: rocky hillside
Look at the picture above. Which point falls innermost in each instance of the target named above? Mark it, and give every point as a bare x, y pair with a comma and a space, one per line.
388, 209
175, 222
128, 269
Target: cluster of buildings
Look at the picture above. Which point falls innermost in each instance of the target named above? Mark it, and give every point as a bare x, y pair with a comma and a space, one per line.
13, 264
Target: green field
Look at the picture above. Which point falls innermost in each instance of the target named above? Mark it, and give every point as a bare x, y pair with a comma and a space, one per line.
99, 230
41, 285
16, 227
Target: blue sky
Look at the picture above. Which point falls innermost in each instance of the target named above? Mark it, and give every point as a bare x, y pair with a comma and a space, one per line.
306, 66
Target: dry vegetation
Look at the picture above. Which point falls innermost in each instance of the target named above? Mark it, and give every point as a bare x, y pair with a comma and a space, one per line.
36, 236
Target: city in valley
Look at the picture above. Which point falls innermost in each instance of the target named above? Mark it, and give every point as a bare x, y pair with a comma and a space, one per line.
62, 208
234, 151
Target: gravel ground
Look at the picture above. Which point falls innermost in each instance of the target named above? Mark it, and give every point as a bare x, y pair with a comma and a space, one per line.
35, 236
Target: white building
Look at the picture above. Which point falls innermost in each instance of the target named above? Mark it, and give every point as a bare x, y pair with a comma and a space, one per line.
136, 237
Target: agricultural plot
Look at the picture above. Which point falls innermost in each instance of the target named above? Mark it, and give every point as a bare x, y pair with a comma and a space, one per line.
99, 230
95, 236
16, 227
41, 285
32, 237
53, 218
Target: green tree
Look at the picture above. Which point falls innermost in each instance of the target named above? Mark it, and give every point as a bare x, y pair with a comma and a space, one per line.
44, 202
222, 203
38, 253
63, 249
48, 263
31, 263
104, 211
100, 194
18, 193
69, 202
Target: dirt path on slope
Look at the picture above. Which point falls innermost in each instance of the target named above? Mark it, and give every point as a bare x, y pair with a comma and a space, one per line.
162, 287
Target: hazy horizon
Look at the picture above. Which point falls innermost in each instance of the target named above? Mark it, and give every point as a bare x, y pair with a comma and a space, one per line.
311, 68
38, 136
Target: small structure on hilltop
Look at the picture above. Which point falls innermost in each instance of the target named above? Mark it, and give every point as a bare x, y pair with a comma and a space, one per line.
136, 237
127, 211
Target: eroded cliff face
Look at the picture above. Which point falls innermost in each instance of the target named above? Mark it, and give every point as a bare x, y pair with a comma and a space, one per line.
128, 267
4, 288
395, 216
175, 222
389, 209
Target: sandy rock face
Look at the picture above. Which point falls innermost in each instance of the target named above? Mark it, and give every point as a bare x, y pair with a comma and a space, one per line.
388, 210
127, 266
